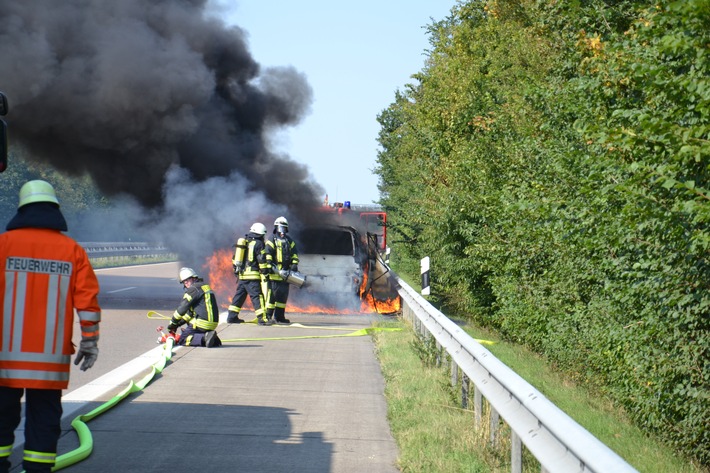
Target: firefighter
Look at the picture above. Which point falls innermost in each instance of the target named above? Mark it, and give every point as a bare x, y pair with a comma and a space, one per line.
197, 310
282, 257
250, 267
45, 277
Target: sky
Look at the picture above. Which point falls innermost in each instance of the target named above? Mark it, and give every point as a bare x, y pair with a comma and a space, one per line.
355, 56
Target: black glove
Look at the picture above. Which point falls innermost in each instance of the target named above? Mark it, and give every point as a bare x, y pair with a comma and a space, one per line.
294, 268
88, 352
172, 327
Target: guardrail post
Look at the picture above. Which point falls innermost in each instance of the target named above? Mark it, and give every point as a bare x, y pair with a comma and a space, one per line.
477, 406
493, 427
407, 313
438, 354
516, 453
454, 374
464, 391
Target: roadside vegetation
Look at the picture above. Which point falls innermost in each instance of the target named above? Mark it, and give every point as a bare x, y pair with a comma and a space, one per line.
115, 262
77, 195
436, 435
90, 216
552, 158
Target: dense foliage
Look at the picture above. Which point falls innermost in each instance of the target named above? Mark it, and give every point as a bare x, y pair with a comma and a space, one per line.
87, 211
553, 160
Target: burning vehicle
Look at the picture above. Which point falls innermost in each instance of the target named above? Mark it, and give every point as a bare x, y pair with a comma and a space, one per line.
332, 259
341, 266
344, 271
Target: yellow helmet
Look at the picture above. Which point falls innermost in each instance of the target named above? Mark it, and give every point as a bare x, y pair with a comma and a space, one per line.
37, 191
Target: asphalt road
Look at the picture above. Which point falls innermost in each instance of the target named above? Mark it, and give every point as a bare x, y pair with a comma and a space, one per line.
127, 294
301, 398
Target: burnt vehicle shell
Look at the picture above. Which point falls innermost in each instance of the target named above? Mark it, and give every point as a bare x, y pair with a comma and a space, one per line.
342, 266
333, 258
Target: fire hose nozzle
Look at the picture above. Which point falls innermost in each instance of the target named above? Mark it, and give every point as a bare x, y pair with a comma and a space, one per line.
162, 337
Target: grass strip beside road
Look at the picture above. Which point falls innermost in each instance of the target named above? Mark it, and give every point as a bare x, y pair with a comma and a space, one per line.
117, 261
435, 435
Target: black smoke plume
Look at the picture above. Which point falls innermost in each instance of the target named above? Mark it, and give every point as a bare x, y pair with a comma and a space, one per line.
133, 92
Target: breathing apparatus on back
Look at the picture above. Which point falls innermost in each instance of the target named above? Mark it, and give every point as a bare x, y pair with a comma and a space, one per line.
242, 245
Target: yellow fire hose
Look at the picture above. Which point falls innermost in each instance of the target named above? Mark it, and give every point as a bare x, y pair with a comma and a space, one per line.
357, 333
86, 441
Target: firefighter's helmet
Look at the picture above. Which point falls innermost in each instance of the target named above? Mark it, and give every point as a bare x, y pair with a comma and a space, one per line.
186, 273
258, 228
281, 225
37, 191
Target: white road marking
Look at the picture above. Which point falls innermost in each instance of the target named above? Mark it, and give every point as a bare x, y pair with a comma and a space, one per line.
121, 290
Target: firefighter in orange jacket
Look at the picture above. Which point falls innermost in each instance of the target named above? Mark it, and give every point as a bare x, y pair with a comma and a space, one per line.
44, 276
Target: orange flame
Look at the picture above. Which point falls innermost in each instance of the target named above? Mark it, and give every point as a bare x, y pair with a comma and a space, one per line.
221, 276
388, 306
218, 268
371, 304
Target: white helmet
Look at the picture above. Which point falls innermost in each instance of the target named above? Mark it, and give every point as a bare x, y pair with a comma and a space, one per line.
281, 222
186, 273
258, 228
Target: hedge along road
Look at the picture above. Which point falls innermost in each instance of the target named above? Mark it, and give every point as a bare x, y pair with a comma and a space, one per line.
273, 399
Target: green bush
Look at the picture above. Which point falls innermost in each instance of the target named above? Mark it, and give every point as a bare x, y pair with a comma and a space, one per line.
552, 159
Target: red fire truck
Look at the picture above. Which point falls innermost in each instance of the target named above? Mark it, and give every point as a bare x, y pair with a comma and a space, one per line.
368, 219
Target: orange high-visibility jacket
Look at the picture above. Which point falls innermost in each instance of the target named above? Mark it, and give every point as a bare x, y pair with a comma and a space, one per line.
44, 276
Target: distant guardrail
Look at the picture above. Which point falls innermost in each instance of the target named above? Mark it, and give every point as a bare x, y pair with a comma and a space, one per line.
558, 442
124, 249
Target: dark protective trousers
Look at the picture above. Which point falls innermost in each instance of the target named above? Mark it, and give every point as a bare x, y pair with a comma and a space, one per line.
194, 337
278, 296
251, 287
43, 415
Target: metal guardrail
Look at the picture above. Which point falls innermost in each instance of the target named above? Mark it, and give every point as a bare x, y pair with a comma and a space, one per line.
124, 249
558, 442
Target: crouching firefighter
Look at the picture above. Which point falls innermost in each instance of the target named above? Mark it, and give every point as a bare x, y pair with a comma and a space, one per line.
198, 311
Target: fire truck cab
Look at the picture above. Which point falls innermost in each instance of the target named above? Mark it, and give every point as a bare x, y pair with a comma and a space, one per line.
367, 219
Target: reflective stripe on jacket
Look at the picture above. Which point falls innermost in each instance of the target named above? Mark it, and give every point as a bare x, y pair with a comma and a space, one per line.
198, 307
44, 276
255, 260
282, 253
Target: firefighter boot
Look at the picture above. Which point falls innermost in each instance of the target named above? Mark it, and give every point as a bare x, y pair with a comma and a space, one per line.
264, 321
233, 318
211, 339
280, 316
